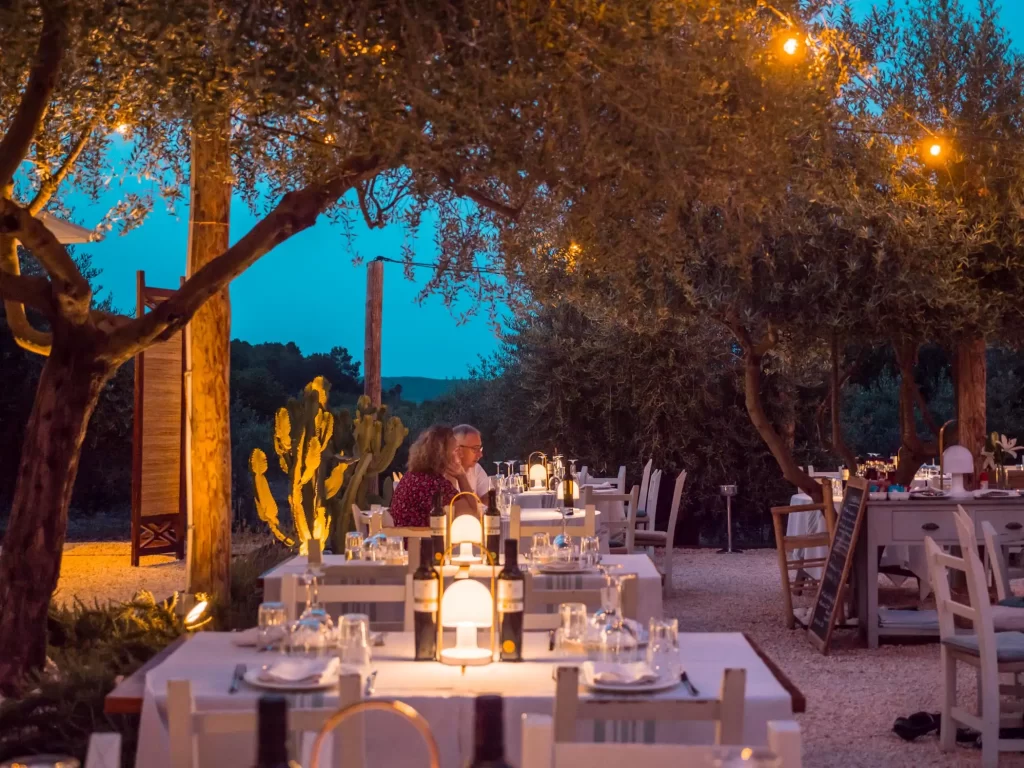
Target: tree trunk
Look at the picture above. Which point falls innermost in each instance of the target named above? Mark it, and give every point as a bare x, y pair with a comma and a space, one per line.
69, 387
913, 451
970, 399
210, 347
776, 443
374, 320
839, 445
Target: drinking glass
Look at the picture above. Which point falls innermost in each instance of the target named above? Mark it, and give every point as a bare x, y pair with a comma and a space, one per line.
353, 545
663, 648
271, 630
590, 551
573, 621
354, 640
394, 549
618, 643
309, 578
541, 540
310, 636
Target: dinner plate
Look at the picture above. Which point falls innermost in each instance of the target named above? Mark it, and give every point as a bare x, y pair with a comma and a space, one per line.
663, 684
252, 677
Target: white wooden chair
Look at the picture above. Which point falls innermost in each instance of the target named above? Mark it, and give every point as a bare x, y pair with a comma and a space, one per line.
726, 711
645, 488
1005, 618
541, 605
627, 525
383, 524
517, 530
619, 481
647, 506
539, 750
104, 751
395, 587
989, 652
188, 727
665, 538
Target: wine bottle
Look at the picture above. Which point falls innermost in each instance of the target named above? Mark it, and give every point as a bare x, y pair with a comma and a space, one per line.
272, 732
492, 526
489, 744
425, 589
511, 586
568, 502
438, 528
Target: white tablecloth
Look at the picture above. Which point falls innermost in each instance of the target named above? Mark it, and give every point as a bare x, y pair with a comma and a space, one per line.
614, 511
444, 696
648, 583
911, 558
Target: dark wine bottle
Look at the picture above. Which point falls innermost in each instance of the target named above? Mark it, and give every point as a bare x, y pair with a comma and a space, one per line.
489, 745
568, 485
511, 586
492, 525
425, 590
272, 732
438, 528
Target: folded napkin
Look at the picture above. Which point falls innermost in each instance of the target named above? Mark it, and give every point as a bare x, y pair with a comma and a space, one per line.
302, 671
634, 673
247, 638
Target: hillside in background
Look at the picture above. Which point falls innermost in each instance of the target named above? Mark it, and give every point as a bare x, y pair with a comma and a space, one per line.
419, 389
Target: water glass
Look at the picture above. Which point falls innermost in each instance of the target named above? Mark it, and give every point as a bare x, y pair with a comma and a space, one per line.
353, 545
573, 621
354, 640
663, 648
541, 541
617, 643
395, 549
311, 636
271, 628
590, 551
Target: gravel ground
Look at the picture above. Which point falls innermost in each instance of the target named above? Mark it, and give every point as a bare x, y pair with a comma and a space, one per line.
853, 695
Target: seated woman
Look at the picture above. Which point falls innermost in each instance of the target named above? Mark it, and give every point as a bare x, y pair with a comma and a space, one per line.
433, 466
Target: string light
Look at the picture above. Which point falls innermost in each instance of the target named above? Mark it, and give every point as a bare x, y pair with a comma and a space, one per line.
791, 46
122, 128
935, 150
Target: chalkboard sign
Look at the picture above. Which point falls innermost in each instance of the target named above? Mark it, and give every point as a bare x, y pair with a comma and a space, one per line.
837, 566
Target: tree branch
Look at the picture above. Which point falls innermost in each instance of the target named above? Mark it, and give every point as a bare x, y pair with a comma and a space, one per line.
297, 211
72, 291
53, 182
28, 290
25, 334
42, 81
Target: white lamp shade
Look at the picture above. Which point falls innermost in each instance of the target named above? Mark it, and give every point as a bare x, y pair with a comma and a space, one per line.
467, 602
466, 529
538, 475
957, 460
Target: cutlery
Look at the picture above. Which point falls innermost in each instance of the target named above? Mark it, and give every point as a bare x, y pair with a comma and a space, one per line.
236, 678
371, 679
551, 640
685, 680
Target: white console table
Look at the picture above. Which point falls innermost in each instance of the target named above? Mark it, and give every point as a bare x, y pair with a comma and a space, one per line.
908, 523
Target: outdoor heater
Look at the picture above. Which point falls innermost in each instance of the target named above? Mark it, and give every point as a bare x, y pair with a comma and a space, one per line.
728, 491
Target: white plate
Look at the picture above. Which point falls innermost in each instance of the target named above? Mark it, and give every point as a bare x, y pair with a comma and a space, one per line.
252, 677
658, 685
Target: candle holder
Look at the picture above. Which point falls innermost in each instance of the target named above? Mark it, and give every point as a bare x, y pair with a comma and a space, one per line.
399, 708
728, 491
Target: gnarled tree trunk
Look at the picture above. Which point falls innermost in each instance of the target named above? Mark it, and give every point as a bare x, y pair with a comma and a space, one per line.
913, 451
971, 373
68, 391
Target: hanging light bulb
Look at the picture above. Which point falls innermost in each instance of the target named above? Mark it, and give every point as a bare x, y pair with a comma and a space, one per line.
122, 128
935, 149
791, 46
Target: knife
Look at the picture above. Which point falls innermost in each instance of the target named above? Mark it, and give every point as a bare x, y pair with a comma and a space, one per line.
236, 678
685, 680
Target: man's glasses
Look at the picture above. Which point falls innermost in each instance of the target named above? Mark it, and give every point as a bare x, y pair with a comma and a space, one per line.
473, 448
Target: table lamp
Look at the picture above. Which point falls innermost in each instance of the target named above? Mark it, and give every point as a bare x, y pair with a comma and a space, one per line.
958, 461
466, 532
467, 606
538, 472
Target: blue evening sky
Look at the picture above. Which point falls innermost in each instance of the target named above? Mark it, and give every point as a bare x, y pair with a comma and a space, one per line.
308, 291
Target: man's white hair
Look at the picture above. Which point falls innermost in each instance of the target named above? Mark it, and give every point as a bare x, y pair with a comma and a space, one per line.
465, 430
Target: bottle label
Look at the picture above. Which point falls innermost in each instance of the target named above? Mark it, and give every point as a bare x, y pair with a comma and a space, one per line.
424, 596
437, 525
510, 596
492, 525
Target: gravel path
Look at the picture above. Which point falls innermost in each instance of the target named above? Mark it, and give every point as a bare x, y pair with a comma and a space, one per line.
100, 570
853, 694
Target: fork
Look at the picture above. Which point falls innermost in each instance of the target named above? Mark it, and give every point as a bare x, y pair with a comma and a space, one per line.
236, 678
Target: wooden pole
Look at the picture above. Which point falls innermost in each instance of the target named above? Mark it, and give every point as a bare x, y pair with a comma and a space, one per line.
374, 318
210, 348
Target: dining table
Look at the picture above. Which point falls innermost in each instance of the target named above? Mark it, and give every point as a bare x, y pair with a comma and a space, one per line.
444, 696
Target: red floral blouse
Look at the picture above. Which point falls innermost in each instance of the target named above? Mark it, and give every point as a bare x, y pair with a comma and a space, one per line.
414, 498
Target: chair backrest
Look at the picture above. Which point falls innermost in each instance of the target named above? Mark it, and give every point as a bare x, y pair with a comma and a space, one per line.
619, 480
539, 750
355, 583
645, 484
673, 515
726, 711
629, 502
104, 751
382, 524
651, 503
541, 605
517, 530
188, 727
996, 558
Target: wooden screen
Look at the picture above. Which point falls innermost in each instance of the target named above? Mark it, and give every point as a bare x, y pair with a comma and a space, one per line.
158, 444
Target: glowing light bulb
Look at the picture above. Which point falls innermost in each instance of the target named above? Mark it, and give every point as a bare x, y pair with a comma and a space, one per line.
935, 150
122, 128
791, 46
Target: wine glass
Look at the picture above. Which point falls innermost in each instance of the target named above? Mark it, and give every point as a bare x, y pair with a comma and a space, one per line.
310, 579
497, 469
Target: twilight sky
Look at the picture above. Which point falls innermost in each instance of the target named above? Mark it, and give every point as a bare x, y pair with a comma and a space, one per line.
307, 289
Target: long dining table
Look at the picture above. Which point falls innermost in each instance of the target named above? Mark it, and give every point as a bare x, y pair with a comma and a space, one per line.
444, 696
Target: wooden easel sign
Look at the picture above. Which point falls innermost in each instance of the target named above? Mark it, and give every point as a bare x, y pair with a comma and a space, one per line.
837, 567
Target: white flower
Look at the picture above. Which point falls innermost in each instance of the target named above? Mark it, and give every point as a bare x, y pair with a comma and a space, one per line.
1009, 446
990, 460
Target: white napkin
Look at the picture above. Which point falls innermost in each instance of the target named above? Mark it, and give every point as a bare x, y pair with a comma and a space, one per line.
302, 671
247, 638
634, 673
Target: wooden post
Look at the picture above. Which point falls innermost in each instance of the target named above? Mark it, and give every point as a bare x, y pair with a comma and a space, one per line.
970, 398
209, 347
374, 318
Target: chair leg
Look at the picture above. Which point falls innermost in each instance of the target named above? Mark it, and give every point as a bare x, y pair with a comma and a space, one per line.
787, 599
947, 728
668, 571
989, 694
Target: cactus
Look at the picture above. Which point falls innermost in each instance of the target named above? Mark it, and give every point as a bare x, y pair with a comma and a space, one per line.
311, 443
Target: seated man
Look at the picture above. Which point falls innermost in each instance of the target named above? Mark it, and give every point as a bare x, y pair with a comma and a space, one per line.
470, 450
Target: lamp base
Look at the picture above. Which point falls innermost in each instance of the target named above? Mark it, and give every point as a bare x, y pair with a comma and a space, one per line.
730, 551
466, 657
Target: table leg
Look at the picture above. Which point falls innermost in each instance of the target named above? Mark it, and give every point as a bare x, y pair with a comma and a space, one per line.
871, 588
860, 573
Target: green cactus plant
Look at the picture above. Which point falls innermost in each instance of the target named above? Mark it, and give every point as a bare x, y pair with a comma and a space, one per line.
327, 458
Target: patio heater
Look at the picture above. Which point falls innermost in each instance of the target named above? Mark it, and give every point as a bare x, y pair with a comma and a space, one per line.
728, 491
